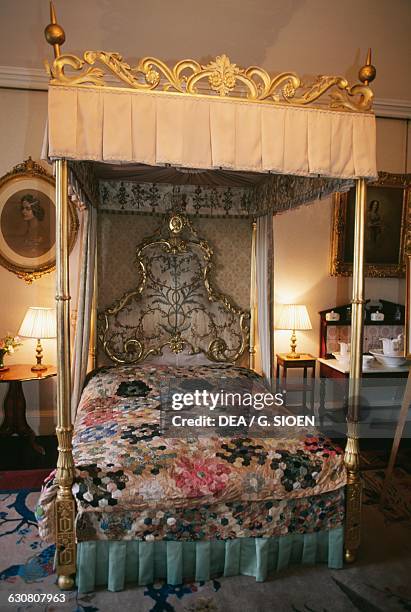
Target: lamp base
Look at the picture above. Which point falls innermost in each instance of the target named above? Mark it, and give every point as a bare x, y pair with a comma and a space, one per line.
293, 346
39, 367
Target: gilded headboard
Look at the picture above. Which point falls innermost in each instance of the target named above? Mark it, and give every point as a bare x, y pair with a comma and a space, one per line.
175, 303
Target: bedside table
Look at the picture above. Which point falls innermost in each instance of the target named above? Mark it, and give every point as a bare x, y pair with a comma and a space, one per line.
305, 362
15, 403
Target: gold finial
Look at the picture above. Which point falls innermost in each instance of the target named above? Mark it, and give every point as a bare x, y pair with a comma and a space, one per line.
54, 33
368, 72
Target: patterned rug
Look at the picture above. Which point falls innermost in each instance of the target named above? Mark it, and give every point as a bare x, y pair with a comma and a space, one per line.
378, 582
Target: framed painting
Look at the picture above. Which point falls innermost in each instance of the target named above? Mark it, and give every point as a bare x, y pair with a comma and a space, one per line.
28, 221
387, 228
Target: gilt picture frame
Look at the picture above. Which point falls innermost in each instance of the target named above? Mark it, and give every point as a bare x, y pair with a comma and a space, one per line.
407, 335
28, 221
387, 228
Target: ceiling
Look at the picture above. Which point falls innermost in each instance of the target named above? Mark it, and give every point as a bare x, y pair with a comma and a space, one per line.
307, 36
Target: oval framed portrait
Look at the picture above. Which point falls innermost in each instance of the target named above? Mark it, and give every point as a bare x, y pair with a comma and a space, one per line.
28, 221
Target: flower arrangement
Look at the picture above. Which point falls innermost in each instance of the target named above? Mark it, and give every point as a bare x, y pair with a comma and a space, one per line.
8, 344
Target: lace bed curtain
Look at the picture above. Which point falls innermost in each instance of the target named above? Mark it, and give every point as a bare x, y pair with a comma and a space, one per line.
82, 352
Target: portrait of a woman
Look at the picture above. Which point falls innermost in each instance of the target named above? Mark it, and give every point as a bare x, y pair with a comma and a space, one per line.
383, 228
28, 222
374, 222
33, 214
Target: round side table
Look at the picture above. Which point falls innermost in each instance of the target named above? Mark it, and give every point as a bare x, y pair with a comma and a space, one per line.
15, 403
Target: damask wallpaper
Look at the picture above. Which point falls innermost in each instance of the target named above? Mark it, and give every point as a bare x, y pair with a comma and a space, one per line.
119, 235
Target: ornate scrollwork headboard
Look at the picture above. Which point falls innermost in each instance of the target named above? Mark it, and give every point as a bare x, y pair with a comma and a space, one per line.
175, 304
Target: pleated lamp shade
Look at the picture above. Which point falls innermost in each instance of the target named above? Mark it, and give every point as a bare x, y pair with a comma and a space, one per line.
39, 323
293, 316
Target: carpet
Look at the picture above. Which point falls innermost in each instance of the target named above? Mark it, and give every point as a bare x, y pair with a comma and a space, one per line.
378, 582
22, 479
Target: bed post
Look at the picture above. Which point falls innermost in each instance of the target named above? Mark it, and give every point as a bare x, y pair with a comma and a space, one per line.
352, 449
253, 297
64, 504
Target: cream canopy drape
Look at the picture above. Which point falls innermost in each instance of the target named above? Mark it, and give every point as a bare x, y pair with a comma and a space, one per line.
157, 128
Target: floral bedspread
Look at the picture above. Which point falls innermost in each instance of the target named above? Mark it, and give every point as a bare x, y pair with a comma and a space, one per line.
124, 463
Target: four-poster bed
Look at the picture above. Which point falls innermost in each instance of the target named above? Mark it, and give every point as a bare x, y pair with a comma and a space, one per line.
219, 121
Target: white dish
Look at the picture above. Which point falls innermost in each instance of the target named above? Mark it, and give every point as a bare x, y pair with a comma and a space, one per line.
367, 361
345, 359
390, 361
342, 358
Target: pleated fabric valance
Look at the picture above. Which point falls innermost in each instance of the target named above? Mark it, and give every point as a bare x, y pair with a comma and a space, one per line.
115, 563
157, 128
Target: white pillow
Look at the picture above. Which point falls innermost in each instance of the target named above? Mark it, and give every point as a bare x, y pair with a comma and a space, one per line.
180, 359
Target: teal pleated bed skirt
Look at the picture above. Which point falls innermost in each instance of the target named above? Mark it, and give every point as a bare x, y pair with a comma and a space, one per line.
113, 564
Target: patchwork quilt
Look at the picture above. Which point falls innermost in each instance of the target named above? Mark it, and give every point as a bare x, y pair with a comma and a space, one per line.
222, 521
126, 463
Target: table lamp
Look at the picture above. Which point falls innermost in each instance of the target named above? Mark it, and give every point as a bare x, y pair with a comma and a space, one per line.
39, 323
294, 317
